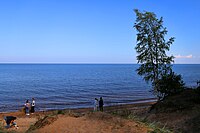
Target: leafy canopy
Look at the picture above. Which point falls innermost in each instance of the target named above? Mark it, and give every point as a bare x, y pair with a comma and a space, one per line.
169, 84
151, 46
151, 49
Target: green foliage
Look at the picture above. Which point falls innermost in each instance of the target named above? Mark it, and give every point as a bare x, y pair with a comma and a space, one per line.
61, 112
169, 84
198, 90
152, 46
196, 98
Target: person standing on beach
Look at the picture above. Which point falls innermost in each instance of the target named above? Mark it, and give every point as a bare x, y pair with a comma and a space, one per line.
27, 106
95, 104
33, 106
101, 104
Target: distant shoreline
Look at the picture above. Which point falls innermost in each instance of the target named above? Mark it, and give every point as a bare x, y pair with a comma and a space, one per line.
51, 63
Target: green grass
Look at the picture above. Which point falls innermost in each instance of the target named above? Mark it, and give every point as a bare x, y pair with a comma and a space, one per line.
60, 112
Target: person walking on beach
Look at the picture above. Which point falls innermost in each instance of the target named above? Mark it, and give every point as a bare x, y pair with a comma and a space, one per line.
101, 104
27, 106
33, 106
96, 104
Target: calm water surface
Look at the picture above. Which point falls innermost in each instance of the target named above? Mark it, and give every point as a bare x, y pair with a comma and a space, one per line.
60, 86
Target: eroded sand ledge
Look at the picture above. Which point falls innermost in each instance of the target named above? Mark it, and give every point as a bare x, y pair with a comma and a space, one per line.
79, 120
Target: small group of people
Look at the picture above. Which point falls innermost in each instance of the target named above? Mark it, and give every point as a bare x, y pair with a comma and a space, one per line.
98, 104
29, 107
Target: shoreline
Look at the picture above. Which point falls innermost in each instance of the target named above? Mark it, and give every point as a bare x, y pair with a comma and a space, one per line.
134, 103
85, 110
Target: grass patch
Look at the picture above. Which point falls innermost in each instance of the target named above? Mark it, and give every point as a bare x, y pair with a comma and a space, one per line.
157, 129
1, 129
60, 112
154, 126
47, 120
127, 114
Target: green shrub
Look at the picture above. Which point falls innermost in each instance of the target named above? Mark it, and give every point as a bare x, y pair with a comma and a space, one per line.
169, 84
61, 112
198, 90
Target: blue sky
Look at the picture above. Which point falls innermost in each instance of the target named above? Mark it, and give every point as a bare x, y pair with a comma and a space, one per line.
91, 31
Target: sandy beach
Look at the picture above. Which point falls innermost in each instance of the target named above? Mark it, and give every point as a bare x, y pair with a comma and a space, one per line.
82, 120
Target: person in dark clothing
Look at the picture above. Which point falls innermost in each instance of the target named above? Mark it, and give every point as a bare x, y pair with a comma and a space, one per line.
33, 106
10, 121
101, 104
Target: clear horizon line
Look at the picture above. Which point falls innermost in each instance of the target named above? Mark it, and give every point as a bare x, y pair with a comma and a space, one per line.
84, 63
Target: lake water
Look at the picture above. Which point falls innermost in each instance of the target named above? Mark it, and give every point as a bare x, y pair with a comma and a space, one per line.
61, 86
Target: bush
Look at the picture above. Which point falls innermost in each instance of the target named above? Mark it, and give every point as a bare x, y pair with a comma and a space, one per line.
198, 90
169, 84
60, 112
